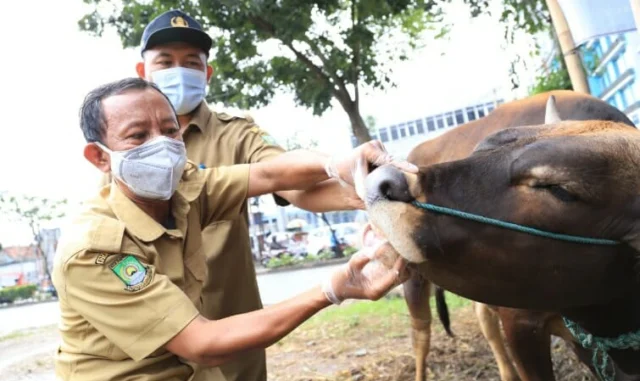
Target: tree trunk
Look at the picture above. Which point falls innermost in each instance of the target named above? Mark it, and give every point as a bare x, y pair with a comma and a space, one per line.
337, 249
568, 49
45, 261
358, 126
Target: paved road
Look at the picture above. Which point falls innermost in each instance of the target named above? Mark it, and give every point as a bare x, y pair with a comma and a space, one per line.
274, 288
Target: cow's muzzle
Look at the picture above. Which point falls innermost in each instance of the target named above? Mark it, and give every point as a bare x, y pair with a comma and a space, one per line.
387, 183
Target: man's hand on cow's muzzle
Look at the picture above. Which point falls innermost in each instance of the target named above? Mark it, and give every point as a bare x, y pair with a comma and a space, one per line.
354, 168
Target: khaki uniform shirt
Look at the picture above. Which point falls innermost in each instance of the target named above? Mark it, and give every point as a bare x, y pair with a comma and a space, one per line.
127, 284
215, 139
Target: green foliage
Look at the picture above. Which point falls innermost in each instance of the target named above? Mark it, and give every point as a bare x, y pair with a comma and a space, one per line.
282, 261
11, 294
349, 251
555, 80
319, 50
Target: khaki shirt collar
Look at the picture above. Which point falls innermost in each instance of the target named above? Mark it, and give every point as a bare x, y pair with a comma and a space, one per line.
201, 117
143, 226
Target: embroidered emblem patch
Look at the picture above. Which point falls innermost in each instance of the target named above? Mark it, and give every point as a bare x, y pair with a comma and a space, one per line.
130, 271
101, 259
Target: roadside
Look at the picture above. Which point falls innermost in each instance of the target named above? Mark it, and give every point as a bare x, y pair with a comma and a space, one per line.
27, 355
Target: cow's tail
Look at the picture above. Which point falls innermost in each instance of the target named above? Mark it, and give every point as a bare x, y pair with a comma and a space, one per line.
443, 311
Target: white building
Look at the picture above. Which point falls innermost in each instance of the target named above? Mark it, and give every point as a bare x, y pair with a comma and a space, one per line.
401, 137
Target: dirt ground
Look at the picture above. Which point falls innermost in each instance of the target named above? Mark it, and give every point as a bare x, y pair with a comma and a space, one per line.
371, 348
346, 343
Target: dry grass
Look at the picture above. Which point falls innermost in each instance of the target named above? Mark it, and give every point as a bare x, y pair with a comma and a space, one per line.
371, 341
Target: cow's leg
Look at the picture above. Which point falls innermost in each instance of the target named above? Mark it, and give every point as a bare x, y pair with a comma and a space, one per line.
490, 327
529, 340
417, 291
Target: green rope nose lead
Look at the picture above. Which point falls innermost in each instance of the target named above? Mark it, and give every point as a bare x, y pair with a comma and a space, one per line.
601, 345
512, 226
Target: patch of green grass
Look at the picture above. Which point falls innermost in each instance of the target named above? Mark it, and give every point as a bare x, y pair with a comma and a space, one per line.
384, 308
27, 332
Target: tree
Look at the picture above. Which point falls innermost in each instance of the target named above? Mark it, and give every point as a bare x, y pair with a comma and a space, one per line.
33, 212
327, 49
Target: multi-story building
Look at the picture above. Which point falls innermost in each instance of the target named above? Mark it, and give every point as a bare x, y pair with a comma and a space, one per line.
401, 137
611, 63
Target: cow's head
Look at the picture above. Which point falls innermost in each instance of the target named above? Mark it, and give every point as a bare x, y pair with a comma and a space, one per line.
578, 178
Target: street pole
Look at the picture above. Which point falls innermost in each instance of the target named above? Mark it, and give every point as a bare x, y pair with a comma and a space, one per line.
635, 9
568, 48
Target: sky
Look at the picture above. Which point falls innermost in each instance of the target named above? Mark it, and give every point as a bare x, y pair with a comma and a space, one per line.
48, 69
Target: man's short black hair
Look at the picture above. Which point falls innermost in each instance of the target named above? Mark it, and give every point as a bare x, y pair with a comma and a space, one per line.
92, 119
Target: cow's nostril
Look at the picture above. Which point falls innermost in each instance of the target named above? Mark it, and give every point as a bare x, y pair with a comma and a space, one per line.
389, 183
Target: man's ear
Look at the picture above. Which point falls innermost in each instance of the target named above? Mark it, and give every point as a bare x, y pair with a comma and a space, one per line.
140, 70
209, 72
97, 157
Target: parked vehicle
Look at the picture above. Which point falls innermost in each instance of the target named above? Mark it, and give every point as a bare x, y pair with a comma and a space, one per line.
348, 234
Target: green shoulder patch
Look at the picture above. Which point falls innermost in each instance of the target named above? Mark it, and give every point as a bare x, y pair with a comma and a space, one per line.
130, 271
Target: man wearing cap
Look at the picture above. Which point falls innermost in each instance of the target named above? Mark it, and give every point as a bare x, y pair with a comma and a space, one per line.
130, 268
175, 50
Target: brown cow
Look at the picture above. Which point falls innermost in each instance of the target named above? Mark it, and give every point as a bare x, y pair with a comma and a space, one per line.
570, 177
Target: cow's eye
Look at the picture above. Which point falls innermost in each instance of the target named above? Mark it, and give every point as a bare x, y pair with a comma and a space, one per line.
558, 192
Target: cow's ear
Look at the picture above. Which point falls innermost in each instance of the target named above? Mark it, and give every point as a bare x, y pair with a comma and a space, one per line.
551, 114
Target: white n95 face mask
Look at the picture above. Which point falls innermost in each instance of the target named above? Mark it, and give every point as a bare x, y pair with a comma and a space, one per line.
151, 170
184, 87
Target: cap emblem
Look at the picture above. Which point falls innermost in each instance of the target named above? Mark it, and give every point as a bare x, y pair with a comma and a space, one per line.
178, 21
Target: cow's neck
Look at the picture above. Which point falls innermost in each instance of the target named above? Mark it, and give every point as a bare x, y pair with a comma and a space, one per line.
618, 317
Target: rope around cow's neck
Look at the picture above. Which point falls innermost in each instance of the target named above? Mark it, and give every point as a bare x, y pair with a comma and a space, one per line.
598, 345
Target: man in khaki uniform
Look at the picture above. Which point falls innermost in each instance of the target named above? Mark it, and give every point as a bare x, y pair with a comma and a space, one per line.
130, 269
175, 51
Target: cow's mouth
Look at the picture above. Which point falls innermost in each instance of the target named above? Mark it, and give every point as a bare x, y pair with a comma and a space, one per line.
388, 198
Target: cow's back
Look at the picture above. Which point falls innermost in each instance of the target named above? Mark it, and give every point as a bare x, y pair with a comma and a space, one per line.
460, 142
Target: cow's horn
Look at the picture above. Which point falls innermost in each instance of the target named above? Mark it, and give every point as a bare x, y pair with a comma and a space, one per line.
551, 115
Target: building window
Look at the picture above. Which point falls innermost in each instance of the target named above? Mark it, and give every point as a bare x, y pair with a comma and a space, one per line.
412, 131
420, 126
619, 100
471, 115
459, 117
611, 70
450, 119
403, 130
394, 133
622, 63
489, 107
598, 49
440, 121
431, 126
635, 119
612, 102
480, 110
384, 136
374, 137
627, 94
606, 79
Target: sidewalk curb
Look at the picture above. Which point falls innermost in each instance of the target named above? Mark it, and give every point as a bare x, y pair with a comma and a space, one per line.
54, 300
302, 266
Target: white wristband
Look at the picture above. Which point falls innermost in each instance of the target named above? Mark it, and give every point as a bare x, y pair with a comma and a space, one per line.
327, 290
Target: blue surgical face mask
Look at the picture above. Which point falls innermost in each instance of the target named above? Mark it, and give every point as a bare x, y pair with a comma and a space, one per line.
184, 87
